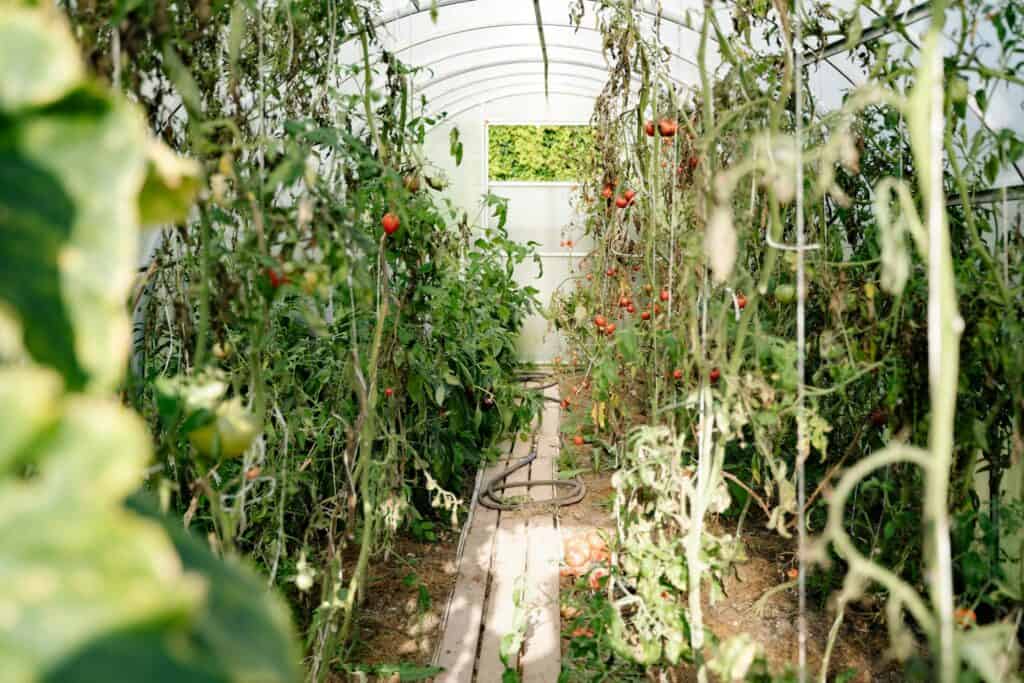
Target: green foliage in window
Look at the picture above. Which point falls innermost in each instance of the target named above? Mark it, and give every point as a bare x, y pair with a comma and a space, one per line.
537, 153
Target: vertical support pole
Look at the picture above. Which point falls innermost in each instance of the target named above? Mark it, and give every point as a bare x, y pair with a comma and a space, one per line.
944, 327
801, 350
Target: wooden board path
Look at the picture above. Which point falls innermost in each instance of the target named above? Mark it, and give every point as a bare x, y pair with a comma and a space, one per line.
501, 550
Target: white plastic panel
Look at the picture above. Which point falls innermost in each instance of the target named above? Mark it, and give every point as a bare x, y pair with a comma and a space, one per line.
535, 108
537, 211
538, 343
542, 213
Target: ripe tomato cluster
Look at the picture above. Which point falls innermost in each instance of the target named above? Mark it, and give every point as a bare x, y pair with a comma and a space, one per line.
666, 128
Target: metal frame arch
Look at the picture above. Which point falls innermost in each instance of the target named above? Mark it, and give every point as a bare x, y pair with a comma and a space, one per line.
507, 62
451, 116
566, 46
520, 74
582, 92
415, 9
515, 24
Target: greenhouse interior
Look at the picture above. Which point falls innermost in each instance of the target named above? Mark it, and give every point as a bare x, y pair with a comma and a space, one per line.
511, 340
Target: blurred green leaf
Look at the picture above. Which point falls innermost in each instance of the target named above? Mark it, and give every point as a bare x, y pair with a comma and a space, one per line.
38, 58
29, 397
75, 564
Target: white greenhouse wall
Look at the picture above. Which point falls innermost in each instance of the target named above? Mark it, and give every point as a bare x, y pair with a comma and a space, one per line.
537, 212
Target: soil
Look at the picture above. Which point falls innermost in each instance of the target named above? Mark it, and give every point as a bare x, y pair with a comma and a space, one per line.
862, 641
400, 621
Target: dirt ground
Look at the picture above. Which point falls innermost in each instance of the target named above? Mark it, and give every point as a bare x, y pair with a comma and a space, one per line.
400, 621
861, 644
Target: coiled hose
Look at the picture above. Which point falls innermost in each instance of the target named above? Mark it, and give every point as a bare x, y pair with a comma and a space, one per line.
490, 497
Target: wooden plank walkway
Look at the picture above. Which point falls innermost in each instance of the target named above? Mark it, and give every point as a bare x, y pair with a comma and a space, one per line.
504, 550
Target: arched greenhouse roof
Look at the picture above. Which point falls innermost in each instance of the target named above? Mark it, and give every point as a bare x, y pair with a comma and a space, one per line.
479, 52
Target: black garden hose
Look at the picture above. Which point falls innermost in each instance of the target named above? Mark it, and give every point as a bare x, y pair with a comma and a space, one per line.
490, 497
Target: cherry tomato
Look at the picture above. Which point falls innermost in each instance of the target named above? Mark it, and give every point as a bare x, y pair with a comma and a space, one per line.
276, 279
621, 202
578, 440
600, 320
596, 576
677, 374
714, 375
646, 315
741, 301
649, 129
879, 418
390, 223
664, 295
667, 127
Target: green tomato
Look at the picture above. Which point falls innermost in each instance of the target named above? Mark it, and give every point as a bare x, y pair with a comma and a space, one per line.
233, 429
785, 294
958, 90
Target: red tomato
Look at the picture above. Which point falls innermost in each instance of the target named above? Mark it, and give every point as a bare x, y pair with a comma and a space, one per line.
565, 404
390, 223
610, 272
596, 576
965, 617
667, 127
568, 243
253, 472
879, 417
741, 301
630, 308
621, 202
629, 194
607, 192
646, 315
609, 329
389, 392
714, 375
623, 301
664, 295
677, 374
793, 573
578, 440
649, 129
694, 162
276, 279
600, 321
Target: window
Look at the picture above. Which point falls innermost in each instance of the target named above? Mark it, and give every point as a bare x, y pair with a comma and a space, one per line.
537, 153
